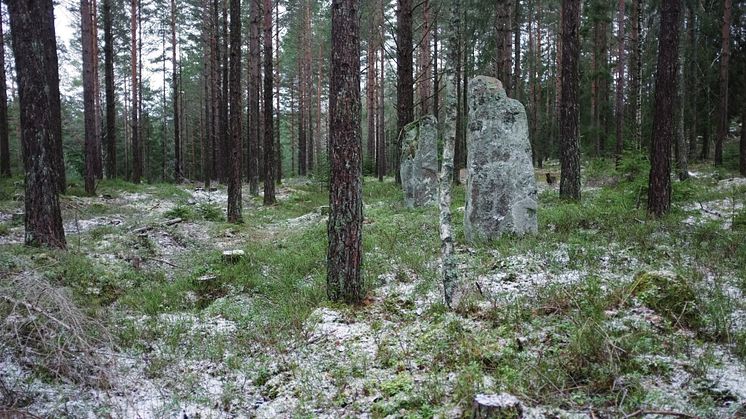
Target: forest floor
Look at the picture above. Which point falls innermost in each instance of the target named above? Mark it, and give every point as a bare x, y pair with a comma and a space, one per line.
604, 313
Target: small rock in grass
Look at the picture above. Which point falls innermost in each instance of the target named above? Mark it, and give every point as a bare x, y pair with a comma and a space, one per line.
496, 406
233, 256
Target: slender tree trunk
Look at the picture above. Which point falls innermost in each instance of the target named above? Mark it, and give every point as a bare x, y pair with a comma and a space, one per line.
302, 104
724, 62
234, 177
207, 121
89, 105
178, 175
345, 228
370, 98
425, 61
620, 81
381, 142
111, 111
503, 40
405, 81
659, 186
635, 74
31, 26
269, 153
569, 107
293, 167
4, 141
449, 269
436, 75
319, 71
136, 154
278, 143
98, 143
692, 84
253, 96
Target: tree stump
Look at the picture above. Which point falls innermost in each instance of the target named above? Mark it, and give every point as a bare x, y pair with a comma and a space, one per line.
496, 406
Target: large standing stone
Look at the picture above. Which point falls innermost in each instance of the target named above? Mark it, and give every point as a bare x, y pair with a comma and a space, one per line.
419, 162
500, 188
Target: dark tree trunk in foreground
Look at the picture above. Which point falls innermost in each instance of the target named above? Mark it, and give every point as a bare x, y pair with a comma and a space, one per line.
254, 83
4, 142
32, 25
136, 154
111, 112
404, 79
46, 17
234, 177
569, 108
269, 143
89, 104
724, 62
345, 227
634, 114
659, 185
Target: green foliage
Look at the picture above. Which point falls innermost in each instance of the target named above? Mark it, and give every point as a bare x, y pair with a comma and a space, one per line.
672, 296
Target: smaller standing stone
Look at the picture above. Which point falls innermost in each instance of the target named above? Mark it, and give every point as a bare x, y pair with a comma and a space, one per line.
497, 406
419, 162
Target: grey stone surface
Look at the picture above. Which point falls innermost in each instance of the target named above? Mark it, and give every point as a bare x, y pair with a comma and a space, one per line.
501, 194
419, 162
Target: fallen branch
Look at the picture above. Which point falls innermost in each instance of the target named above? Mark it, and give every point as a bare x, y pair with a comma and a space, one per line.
36, 310
645, 412
164, 262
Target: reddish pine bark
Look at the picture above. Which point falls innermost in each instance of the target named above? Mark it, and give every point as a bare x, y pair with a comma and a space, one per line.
345, 228
253, 96
32, 25
620, 81
569, 107
269, 146
405, 76
111, 127
666, 79
234, 175
503, 40
89, 105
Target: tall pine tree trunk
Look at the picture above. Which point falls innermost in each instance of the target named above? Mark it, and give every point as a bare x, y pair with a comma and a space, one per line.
405, 77
269, 154
253, 96
659, 185
89, 104
111, 111
234, 175
135, 132
178, 174
425, 58
345, 227
569, 107
503, 40
31, 26
635, 74
724, 62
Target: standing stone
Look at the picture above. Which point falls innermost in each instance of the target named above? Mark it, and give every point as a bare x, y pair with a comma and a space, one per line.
501, 192
419, 162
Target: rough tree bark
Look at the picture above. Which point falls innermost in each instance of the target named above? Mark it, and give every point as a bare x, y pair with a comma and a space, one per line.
504, 38
345, 227
135, 132
253, 96
405, 77
32, 25
234, 175
111, 111
742, 146
269, 143
569, 149
724, 62
89, 105
46, 16
381, 141
635, 75
425, 60
659, 184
